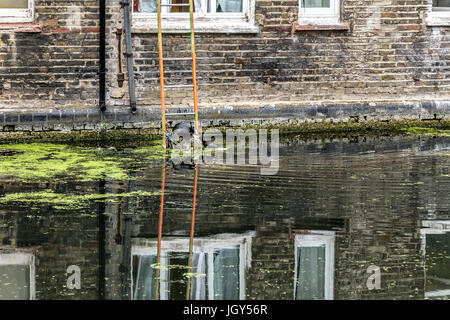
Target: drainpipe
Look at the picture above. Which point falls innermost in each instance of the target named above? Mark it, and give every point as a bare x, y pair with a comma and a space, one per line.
102, 53
129, 54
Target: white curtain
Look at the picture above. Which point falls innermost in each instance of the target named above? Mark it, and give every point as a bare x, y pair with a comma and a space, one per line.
226, 274
198, 282
310, 273
147, 6
317, 3
229, 6
145, 286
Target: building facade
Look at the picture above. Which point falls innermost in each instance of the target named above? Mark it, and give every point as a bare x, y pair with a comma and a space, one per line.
256, 59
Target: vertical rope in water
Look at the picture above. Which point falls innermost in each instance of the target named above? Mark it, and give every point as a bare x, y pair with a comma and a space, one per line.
191, 238
160, 223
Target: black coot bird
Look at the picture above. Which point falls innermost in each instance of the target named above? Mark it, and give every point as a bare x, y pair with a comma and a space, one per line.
181, 132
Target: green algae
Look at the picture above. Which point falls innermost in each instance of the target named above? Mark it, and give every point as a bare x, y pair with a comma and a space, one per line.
63, 201
44, 162
425, 131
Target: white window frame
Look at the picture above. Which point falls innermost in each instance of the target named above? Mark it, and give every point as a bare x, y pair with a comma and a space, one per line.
319, 16
18, 15
26, 259
178, 22
437, 17
432, 227
207, 245
317, 238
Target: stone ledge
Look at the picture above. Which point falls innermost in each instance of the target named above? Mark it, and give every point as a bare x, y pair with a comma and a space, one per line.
20, 27
344, 26
94, 119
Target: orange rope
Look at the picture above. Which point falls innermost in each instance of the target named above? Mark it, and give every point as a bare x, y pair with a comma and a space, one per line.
160, 223
194, 73
191, 240
161, 74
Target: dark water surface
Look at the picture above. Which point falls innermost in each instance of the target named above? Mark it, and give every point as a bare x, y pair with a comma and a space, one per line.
362, 219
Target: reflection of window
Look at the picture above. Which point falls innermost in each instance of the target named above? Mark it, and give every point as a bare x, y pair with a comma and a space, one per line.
17, 276
436, 251
220, 15
314, 265
319, 12
217, 273
16, 10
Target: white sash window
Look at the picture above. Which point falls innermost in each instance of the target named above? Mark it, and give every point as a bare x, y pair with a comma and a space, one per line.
438, 13
229, 16
321, 12
16, 11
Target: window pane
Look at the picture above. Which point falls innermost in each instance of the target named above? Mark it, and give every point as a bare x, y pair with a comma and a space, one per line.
317, 3
178, 266
310, 273
14, 4
437, 264
229, 6
199, 279
14, 282
147, 6
441, 3
145, 277
226, 274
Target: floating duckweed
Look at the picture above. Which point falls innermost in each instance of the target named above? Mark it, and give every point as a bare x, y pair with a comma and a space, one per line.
42, 162
422, 131
63, 201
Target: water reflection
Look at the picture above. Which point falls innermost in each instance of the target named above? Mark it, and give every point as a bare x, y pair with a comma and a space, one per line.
17, 276
436, 251
218, 269
334, 210
314, 265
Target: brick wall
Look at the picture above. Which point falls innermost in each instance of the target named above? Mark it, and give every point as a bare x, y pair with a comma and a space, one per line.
55, 63
387, 55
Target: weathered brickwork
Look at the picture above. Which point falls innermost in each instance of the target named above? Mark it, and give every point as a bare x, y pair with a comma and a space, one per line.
386, 55
56, 63
376, 222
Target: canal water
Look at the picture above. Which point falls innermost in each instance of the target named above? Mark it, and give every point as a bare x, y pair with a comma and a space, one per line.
347, 218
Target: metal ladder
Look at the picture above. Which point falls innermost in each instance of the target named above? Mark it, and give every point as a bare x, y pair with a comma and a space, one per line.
161, 68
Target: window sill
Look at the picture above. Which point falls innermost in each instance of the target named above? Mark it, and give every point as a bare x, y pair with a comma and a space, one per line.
209, 27
344, 26
438, 20
20, 28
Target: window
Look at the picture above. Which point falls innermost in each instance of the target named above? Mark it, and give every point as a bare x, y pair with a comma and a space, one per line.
16, 11
436, 258
209, 15
441, 5
314, 265
218, 268
17, 276
322, 12
439, 13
